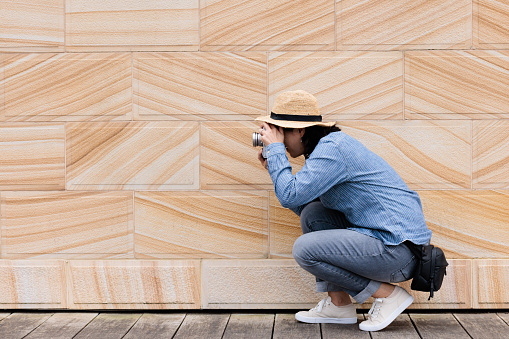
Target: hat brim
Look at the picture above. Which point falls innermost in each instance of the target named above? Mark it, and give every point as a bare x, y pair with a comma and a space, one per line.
294, 124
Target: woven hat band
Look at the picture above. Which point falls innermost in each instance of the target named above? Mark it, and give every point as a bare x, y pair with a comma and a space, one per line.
295, 117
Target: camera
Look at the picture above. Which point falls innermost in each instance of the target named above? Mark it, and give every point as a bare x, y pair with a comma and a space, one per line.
257, 141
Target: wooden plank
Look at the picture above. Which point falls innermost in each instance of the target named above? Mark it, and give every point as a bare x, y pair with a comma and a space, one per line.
156, 325
202, 325
401, 328
438, 326
19, 324
249, 326
285, 326
478, 325
4, 315
109, 325
504, 317
62, 325
333, 331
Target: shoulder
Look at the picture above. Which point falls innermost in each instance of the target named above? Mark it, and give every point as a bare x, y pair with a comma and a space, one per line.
338, 139
333, 144
334, 136
346, 146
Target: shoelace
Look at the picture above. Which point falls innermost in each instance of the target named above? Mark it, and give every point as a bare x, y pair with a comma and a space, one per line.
375, 308
318, 308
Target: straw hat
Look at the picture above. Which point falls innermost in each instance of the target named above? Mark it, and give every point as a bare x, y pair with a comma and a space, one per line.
295, 109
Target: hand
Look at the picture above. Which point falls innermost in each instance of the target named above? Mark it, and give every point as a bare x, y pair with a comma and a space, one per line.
270, 133
263, 161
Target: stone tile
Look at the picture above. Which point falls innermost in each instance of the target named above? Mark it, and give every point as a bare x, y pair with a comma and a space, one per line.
455, 292
490, 154
276, 284
491, 24
229, 160
122, 284
32, 157
459, 220
403, 24
136, 155
67, 225
456, 84
32, 284
347, 85
3, 57
67, 87
31, 25
267, 25
93, 25
426, 154
491, 278
284, 226
243, 284
200, 86
208, 224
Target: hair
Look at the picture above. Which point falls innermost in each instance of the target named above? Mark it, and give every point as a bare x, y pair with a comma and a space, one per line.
313, 135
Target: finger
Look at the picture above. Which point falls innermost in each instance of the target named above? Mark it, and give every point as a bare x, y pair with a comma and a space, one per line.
263, 161
264, 126
260, 157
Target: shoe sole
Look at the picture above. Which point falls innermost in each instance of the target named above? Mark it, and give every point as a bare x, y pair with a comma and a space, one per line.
315, 320
388, 321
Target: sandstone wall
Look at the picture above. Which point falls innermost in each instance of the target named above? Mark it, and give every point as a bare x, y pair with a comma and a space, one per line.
127, 176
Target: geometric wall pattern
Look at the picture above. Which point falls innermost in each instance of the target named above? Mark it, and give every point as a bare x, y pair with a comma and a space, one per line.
127, 175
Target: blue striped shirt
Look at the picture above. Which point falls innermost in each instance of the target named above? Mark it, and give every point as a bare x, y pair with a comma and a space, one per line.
348, 177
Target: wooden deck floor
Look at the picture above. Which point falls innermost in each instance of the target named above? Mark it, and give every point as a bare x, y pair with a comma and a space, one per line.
212, 325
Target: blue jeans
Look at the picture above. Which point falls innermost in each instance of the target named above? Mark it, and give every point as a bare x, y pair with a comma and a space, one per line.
346, 260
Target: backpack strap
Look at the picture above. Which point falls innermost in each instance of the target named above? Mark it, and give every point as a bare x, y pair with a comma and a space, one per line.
432, 273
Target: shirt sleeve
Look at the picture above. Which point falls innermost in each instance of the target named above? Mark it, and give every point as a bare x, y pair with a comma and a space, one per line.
323, 169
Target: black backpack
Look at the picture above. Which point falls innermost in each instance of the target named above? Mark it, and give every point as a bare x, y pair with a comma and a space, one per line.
431, 268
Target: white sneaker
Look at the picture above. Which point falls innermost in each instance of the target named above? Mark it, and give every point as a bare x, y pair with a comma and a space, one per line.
327, 312
385, 310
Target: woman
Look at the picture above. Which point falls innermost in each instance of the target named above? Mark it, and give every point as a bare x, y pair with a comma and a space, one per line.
355, 211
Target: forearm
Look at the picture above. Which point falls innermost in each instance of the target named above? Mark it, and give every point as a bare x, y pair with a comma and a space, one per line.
285, 184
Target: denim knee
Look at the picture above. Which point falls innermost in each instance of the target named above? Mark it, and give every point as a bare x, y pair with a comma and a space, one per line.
296, 251
300, 250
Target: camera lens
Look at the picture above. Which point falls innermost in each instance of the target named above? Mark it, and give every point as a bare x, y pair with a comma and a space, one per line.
257, 141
